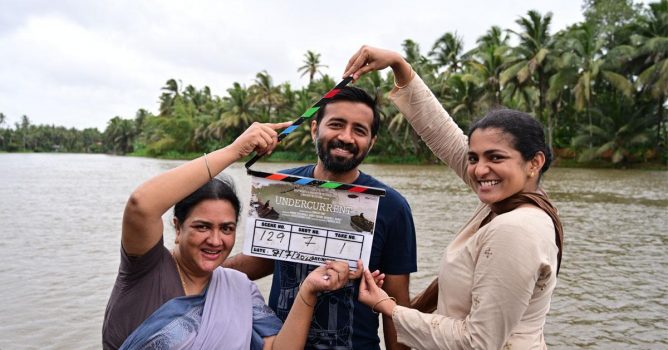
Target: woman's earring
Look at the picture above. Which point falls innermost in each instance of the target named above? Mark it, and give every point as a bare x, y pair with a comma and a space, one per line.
532, 174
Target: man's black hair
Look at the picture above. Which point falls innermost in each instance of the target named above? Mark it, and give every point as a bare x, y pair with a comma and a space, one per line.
353, 94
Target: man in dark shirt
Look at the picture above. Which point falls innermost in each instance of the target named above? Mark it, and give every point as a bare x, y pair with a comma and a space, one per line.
344, 131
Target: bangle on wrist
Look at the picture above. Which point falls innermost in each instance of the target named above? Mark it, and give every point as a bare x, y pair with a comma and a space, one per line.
299, 291
373, 308
409, 80
206, 162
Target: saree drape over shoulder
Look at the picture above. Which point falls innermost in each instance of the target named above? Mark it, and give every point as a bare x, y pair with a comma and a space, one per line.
229, 314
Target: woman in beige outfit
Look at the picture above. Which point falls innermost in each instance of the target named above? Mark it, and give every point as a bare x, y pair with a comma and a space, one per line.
497, 276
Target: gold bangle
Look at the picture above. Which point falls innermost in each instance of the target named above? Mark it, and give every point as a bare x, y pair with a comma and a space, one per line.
373, 308
302, 297
409, 80
206, 162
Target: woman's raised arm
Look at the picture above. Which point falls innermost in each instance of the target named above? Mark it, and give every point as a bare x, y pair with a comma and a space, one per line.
418, 105
142, 219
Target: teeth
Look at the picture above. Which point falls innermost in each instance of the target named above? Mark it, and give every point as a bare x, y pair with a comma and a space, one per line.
211, 251
489, 183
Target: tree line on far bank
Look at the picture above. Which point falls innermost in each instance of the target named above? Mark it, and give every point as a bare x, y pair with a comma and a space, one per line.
600, 87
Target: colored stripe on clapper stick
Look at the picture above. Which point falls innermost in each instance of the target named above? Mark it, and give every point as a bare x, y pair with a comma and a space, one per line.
307, 181
305, 116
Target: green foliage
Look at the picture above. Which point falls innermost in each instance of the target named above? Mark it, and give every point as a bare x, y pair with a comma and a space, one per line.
311, 65
27, 137
622, 133
600, 88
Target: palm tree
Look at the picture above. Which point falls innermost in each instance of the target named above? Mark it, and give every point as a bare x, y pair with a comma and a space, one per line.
446, 52
461, 99
643, 54
119, 135
398, 125
238, 113
167, 99
321, 86
300, 137
311, 65
288, 97
488, 64
2, 136
140, 118
652, 47
581, 65
621, 135
532, 60
378, 87
487, 61
23, 129
494, 37
265, 94
414, 57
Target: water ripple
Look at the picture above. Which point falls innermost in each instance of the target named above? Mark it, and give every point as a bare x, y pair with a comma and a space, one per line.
61, 218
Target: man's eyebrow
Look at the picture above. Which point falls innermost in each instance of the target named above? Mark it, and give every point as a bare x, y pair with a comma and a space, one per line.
494, 150
339, 119
362, 125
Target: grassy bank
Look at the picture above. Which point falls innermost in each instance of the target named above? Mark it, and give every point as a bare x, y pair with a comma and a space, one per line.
601, 164
289, 157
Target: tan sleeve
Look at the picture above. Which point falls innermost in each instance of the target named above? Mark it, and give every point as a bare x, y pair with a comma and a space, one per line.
429, 331
434, 125
505, 274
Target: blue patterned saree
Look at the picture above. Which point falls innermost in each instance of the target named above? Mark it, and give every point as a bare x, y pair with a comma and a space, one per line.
230, 314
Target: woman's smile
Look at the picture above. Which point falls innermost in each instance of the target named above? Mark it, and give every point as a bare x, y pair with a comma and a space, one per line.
485, 184
496, 166
211, 254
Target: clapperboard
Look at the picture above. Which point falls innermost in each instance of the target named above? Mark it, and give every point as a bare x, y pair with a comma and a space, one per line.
306, 220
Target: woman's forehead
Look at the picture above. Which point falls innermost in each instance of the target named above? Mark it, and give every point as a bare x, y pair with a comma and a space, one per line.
491, 136
212, 208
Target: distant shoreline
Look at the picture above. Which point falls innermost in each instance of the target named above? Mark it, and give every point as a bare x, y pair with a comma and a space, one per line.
280, 157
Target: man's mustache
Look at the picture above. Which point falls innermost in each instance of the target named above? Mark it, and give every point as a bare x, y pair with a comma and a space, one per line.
344, 146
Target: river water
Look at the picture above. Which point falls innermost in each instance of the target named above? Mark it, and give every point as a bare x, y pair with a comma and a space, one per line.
60, 218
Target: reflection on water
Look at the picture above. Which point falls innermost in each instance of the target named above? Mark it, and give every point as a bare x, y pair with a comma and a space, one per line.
61, 216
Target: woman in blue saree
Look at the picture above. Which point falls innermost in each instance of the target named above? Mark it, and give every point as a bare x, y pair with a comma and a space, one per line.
183, 299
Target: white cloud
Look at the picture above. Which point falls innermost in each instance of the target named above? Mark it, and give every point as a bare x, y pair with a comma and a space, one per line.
79, 63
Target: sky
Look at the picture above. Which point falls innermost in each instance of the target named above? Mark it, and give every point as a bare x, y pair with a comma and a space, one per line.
79, 63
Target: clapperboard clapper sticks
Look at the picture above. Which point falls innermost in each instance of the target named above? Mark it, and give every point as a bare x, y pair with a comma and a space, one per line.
305, 181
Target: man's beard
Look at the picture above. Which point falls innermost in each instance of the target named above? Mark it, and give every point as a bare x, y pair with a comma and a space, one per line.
335, 164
